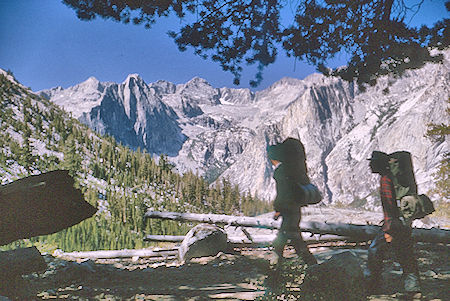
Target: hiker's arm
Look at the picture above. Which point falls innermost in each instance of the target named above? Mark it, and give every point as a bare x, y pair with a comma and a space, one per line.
276, 215
390, 209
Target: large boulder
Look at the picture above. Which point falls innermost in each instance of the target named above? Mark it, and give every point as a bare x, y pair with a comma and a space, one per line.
40, 205
203, 240
339, 278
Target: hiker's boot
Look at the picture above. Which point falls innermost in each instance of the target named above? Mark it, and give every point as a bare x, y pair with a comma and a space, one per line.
276, 259
304, 253
411, 284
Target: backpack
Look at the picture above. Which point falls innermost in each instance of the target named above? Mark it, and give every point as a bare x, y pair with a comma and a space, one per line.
400, 165
311, 195
416, 206
293, 148
412, 206
292, 153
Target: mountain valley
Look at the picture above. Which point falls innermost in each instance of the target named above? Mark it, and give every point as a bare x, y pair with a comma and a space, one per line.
222, 133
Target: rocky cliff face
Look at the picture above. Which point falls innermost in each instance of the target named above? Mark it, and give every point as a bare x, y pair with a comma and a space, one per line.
132, 112
224, 132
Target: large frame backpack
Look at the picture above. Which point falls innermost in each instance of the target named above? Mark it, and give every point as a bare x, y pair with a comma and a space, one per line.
292, 152
412, 206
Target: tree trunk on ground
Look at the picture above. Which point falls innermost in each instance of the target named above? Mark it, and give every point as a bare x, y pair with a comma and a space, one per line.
164, 238
255, 239
359, 232
119, 254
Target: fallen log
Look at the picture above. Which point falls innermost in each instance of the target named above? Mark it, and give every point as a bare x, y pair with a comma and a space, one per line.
255, 239
21, 261
164, 238
243, 221
134, 259
359, 232
107, 254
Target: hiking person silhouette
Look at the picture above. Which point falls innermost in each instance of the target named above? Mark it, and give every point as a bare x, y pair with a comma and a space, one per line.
394, 234
289, 160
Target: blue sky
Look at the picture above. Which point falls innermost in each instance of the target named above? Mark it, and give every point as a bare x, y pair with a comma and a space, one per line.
45, 45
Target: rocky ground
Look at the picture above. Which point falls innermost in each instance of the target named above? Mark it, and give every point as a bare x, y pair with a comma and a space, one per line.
242, 275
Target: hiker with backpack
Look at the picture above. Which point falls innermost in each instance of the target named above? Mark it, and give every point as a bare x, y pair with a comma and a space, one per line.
396, 230
294, 190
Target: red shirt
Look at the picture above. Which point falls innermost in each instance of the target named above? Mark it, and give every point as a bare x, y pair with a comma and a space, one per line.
390, 209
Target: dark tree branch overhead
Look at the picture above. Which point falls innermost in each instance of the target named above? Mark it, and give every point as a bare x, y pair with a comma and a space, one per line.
375, 33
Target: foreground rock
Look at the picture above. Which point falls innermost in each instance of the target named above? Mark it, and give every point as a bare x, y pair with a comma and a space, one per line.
40, 205
341, 277
14, 264
203, 240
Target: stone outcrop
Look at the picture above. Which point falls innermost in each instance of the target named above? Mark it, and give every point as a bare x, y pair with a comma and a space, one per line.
341, 277
203, 240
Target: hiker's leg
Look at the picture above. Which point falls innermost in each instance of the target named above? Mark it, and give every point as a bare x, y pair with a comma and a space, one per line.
293, 233
403, 246
404, 252
301, 248
279, 243
288, 221
375, 258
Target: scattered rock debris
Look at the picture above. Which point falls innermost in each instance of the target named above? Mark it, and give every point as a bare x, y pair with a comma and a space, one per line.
239, 275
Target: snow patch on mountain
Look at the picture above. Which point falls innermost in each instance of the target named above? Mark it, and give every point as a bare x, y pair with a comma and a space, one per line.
90, 91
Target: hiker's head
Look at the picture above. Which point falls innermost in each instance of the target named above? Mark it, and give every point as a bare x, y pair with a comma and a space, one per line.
275, 152
379, 162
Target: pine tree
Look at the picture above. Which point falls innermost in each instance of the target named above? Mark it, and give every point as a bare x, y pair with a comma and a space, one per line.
72, 158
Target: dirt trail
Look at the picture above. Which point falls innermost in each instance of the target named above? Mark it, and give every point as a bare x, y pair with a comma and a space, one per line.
238, 276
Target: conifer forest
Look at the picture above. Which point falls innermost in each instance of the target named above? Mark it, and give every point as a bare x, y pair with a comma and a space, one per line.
37, 136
